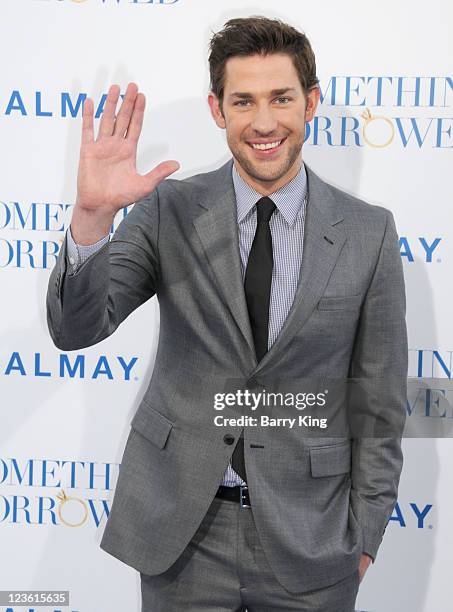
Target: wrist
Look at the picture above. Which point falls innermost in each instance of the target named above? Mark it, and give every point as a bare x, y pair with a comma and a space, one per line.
88, 226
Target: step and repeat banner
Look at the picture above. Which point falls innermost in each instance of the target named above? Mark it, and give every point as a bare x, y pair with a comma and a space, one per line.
383, 132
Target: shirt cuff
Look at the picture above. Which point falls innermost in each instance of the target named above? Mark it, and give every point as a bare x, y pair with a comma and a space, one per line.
78, 253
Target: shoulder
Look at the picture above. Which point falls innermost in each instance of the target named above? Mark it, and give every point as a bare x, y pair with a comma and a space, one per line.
188, 187
356, 212
175, 198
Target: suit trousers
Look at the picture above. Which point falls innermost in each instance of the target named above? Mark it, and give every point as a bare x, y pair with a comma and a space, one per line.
224, 569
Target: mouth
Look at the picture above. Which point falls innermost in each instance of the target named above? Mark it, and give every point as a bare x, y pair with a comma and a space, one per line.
268, 149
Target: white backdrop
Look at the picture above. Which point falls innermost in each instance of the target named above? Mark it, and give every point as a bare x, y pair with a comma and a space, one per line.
65, 416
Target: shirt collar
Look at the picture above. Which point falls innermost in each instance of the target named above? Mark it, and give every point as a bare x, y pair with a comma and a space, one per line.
288, 199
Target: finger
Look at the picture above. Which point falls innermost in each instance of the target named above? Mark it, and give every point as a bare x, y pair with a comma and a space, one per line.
126, 110
107, 123
158, 174
136, 122
87, 121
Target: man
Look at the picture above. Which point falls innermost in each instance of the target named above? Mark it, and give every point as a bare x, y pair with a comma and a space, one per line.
263, 273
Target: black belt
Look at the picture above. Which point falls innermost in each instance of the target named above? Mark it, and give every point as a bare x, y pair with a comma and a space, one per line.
238, 494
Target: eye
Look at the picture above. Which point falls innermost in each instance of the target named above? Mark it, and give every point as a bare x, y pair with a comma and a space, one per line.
241, 103
284, 98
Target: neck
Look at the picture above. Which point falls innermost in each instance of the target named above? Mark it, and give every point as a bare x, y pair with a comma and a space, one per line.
265, 188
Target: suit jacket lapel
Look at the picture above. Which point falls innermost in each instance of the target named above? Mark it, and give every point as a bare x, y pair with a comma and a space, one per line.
218, 233
323, 241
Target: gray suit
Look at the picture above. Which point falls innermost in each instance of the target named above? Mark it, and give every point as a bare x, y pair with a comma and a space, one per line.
318, 503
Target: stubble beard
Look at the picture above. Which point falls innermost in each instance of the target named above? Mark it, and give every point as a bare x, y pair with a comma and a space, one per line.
271, 171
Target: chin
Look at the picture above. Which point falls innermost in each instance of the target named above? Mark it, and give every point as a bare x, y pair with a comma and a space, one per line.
268, 171
268, 177
264, 170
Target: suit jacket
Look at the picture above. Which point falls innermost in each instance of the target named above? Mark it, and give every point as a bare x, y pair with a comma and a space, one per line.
318, 503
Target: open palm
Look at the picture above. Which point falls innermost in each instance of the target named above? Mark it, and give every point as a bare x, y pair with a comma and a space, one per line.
107, 176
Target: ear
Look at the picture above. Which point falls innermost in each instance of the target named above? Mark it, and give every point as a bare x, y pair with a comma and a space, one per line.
214, 105
312, 103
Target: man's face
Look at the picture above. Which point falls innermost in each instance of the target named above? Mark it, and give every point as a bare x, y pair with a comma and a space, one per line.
264, 104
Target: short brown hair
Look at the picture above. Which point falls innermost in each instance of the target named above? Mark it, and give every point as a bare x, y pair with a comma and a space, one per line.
260, 35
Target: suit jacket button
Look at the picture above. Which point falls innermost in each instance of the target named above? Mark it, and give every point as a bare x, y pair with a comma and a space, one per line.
228, 439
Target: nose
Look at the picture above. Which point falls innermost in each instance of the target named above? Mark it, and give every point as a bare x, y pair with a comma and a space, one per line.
264, 121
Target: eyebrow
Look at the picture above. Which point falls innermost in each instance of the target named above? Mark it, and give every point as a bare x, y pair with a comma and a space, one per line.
274, 92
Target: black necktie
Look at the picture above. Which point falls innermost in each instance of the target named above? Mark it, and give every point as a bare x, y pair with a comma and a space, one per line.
257, 285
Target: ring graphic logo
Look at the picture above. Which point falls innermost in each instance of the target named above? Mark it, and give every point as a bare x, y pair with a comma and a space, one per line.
71, 493
409, 112
62, 365
45, 219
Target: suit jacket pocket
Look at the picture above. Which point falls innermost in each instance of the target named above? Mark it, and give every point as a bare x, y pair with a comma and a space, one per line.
330, 460
151, 424
344, 302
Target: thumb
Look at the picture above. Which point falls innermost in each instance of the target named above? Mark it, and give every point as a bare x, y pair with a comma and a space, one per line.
159, 173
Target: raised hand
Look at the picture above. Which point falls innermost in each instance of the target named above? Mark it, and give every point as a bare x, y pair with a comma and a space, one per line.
107, 178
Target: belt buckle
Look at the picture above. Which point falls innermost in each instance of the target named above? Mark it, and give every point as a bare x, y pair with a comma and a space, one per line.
243, 494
